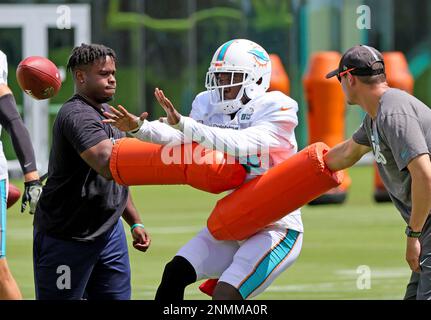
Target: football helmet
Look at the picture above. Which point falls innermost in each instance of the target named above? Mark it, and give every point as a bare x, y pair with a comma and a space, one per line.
247, 65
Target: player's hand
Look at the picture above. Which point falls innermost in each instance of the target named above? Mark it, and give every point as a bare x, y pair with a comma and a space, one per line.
122, 119
172, 115
141, 239
31, 195
413, 253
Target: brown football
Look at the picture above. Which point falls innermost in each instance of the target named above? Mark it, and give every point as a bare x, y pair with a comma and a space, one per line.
38, 77
13, 195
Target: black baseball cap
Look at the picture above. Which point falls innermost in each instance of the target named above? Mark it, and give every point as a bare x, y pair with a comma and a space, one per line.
360, 60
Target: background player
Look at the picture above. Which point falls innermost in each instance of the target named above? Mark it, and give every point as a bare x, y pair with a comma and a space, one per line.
13, 124
235, 115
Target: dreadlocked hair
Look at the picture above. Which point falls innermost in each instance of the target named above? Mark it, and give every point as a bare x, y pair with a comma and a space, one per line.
88, 53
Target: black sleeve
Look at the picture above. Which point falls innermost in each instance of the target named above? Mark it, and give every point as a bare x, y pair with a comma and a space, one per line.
13, 124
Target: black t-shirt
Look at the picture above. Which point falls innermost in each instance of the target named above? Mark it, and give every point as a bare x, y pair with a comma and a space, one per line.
77, 203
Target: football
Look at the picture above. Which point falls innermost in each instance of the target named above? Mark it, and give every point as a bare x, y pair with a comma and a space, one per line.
38, 77
13, 195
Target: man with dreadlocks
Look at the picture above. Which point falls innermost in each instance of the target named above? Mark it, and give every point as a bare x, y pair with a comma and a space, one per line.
80, 249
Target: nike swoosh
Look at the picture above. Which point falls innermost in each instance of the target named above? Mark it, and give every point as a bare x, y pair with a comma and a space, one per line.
27, 165
285, 108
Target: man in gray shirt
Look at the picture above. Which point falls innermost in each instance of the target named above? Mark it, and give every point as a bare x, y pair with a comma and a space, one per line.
397, 128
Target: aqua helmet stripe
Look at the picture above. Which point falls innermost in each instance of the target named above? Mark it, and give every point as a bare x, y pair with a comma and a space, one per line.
223, 50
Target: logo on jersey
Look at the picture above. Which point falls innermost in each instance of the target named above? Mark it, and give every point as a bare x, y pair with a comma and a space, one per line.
378, 155
375, 141
404, 155
225, 126
260, 57
285, 108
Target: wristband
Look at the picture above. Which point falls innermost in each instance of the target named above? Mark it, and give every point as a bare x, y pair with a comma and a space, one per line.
412, 234
136, 225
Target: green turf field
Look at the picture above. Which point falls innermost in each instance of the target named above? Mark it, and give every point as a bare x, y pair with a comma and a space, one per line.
337, 240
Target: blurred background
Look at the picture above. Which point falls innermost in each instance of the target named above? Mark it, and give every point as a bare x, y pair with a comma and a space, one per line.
169, 44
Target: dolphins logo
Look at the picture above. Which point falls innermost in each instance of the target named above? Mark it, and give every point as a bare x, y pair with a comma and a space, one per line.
260, 57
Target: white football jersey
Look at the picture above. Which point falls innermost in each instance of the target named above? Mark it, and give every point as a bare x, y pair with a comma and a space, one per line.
3, 80
3, 68
263, 129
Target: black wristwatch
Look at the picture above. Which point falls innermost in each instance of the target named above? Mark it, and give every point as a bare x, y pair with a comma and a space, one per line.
412, 234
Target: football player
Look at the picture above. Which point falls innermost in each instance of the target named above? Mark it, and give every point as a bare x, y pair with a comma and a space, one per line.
238, 116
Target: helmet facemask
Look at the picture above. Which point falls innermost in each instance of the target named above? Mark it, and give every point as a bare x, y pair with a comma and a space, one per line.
222, 85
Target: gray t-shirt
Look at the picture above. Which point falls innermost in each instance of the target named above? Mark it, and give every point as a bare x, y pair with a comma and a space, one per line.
400, 133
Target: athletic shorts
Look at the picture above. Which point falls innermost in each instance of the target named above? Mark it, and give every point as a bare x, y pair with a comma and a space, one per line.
3, 202
250, 265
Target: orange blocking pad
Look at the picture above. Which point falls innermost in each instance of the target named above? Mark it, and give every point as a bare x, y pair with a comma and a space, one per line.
134, 162
281, 190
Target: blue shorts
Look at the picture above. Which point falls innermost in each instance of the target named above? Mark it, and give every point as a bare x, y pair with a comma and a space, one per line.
3, 201
73, 270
